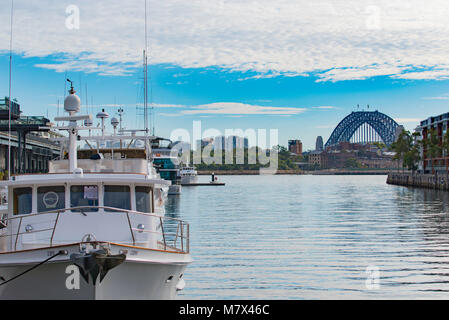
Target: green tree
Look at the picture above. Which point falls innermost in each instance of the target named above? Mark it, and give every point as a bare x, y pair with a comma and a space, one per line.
352, 163
402, 146
433, 147
379, 145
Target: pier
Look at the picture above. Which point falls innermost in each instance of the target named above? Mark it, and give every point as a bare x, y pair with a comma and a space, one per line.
203, 184
429, 181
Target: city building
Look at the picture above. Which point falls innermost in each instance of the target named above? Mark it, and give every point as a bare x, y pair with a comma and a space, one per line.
433, 163
230, 143
295, 146
319, 145
224, 143
203, 143
351, 155
316, 159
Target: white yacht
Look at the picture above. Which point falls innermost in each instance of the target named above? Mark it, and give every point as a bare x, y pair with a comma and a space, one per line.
89, 229
167, 164
189, 175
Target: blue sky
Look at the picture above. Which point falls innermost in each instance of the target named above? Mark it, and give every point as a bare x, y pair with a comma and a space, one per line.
220, 65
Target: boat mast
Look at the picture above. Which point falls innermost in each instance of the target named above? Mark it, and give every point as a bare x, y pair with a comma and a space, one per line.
10, 89
145, 74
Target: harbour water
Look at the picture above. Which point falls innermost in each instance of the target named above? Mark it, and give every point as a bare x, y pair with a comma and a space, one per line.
314, 237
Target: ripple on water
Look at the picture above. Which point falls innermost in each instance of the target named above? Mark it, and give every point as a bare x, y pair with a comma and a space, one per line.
313, 237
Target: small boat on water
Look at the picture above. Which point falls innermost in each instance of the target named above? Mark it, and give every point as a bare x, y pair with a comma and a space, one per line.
89, 229
189, 175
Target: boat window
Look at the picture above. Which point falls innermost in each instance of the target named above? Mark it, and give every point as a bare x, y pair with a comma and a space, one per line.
143, 199
117, 197
22, 198
81, 196
164, 163
50, 198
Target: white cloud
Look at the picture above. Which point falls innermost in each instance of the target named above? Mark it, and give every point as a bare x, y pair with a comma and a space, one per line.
325, 107
235, 108
335, 40
231, 109
441, 97
162, 105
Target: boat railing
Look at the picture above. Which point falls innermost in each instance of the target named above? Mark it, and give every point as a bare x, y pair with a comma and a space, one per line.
171, 234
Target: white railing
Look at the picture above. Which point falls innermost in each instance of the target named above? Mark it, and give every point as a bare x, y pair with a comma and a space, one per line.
171, 234
102, 165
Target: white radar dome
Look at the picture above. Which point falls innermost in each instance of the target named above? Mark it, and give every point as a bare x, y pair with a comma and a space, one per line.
88, 122
114, 122
102, 115
72, 102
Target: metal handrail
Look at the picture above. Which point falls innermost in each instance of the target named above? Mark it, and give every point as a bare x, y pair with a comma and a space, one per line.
54, 228
83, 209
130, 228
17, 236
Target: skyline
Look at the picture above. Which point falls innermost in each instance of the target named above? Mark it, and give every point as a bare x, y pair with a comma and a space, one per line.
207, 65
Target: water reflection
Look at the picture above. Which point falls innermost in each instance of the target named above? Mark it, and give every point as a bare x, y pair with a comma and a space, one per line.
172, 206
293, 237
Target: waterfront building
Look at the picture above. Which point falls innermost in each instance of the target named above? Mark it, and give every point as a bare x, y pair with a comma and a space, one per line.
316, 159
295, 146
433, 163
352, 155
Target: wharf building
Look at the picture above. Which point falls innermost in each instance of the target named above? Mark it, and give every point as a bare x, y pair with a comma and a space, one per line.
439, 162
31, 147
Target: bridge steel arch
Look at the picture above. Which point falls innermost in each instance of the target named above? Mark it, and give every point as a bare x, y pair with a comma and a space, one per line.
384, 126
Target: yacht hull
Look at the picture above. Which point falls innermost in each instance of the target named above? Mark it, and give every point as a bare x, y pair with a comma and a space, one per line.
189, 179
132, 279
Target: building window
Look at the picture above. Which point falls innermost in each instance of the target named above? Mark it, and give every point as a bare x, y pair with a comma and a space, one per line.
143, 199
50, 198
22, 200
117, 197
81, 196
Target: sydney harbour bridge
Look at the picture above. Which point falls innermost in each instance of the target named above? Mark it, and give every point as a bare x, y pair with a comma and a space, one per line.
364, 127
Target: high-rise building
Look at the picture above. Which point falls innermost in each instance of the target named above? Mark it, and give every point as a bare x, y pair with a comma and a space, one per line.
230, 143
295, 146
319, 146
